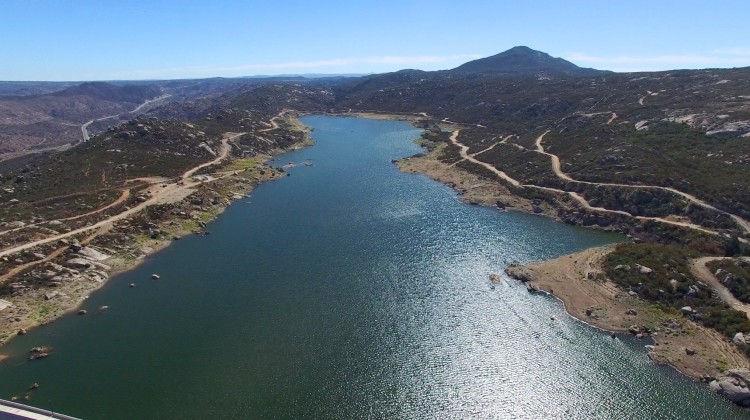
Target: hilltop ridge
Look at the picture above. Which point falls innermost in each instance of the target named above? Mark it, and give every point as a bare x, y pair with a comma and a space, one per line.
522, 60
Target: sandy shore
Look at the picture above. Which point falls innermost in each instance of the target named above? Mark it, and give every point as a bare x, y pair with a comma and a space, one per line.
381, 116
602, 304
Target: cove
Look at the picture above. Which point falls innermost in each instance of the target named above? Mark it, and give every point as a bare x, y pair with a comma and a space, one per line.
348, 290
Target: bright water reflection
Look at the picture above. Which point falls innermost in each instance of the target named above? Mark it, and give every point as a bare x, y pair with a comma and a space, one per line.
349, 290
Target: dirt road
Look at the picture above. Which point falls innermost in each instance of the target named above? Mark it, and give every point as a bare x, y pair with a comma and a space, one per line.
463, 151
556, 167
700, 270
172, 190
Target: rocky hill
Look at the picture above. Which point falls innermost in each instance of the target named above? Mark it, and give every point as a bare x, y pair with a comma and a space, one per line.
108, 92
523, 61
41, 121
681, 129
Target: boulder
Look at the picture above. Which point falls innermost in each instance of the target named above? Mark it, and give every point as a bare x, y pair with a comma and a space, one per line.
739, 338
631, 312
96, 276
519, 273
92, 254
644, 270
734, 385
690, 351
686, 310
155, 276
97, 273
79, 263
672, 324
4, 304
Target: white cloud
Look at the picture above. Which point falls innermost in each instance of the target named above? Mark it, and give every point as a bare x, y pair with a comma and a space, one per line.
728, 57
734, 51
338, 65
420, 59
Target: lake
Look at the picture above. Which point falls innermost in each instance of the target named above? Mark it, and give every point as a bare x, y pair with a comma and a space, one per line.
348, 290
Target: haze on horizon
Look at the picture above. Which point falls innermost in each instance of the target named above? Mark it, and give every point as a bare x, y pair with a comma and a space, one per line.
87, 40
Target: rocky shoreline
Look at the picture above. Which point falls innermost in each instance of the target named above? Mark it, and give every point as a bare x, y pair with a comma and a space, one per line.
696, 351
690, 348
84, 263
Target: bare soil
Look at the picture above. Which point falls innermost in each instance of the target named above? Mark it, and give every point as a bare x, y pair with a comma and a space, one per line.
602, 304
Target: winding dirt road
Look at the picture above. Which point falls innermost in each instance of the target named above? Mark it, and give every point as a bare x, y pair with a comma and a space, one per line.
463, 151
173, 189
274, 124
123, 196
84, 127
700, 270
556, 167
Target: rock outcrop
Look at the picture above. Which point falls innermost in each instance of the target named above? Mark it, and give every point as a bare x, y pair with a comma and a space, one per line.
519, 272
734, 386
92, 254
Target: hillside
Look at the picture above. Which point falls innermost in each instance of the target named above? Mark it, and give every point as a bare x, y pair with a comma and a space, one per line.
663, 157
523, 61
682, 129
41, 121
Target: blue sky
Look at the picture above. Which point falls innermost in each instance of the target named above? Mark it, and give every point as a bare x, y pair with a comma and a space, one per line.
106, 40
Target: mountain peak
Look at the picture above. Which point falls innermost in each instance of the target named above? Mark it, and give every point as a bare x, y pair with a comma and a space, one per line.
522, 60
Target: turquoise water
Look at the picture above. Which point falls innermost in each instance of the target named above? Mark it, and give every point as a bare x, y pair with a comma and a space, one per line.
348, 290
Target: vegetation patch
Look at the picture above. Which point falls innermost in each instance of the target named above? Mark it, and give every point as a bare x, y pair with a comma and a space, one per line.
661, 274
735, 275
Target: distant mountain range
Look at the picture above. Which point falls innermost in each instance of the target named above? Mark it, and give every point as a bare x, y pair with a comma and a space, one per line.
109, 92
38, 121
37, 115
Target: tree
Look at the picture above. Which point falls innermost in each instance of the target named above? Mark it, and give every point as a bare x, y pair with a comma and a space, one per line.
733, 246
